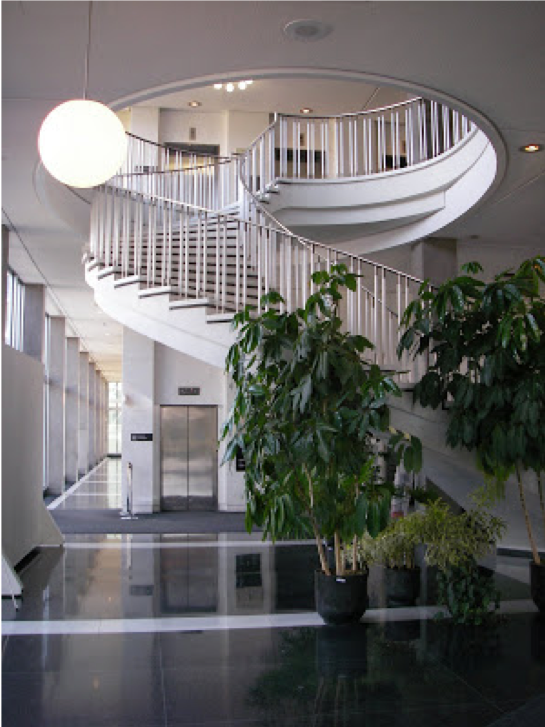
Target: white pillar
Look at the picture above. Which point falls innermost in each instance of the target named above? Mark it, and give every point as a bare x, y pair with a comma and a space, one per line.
435, 259
139, 418
55, 439
106, 418
83, 443
91, 454
71, 411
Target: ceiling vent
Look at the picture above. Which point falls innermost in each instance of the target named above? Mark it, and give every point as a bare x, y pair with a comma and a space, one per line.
307, 30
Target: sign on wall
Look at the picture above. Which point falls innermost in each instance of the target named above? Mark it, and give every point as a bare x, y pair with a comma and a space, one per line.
146, 437
189, 390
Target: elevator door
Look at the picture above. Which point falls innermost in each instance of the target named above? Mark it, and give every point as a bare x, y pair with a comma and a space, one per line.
189, 458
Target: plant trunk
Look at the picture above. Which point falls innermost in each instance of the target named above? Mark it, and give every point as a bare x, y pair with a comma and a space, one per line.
355, 553
339, 566
527, 519
321, 551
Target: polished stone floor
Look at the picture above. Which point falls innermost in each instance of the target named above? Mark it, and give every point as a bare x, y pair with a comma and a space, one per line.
220, 629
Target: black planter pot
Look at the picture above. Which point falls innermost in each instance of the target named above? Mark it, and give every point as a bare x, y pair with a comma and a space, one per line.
537, 584
340, 600
402, 586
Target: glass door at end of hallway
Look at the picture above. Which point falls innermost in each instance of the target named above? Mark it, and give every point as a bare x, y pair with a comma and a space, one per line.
189, 458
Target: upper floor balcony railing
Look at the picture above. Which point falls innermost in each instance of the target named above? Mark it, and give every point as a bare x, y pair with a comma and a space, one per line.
354, 145
299, 148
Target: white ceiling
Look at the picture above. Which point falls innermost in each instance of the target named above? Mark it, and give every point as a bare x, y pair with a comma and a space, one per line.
489, 56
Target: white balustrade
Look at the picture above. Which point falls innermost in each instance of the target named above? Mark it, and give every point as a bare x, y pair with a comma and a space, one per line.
161, 220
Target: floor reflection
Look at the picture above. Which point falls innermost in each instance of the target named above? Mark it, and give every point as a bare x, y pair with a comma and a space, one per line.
154, 576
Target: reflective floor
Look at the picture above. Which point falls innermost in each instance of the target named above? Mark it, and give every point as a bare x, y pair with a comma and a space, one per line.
149, 630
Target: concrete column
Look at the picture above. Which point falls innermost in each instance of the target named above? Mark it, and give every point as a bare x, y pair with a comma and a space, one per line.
139, 418
435, 259
34, 321
5, 257
106, 419
91, 451
100, 413
99, 417
71, 411
55, 423
83, 432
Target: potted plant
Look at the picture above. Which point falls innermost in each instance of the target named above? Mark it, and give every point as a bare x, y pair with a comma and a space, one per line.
455, 543
307, 410
488, 370
395, 550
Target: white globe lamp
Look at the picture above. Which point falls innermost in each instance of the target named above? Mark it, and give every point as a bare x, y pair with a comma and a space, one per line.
82, 143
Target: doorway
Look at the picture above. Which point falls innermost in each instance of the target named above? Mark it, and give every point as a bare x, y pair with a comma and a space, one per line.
189, 458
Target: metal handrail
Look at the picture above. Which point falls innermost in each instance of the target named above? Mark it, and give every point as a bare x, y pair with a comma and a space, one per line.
165, 226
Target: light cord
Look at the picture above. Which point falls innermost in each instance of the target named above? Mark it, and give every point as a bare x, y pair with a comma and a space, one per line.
87, 53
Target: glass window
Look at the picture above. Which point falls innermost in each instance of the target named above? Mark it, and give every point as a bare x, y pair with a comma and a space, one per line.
15, 303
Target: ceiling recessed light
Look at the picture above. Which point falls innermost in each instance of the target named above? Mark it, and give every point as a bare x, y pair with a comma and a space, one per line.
194, 104
307, 30
532, 148
248, 83
305, 111
218, 86
242, 85
230, 87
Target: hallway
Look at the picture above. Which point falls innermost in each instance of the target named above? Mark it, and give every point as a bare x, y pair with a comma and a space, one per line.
220, 629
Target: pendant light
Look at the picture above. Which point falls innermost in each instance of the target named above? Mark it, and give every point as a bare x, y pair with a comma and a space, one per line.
82, 143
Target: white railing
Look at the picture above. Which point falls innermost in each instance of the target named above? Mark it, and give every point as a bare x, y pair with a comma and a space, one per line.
353, 145
228, 262
160, 220
204, 180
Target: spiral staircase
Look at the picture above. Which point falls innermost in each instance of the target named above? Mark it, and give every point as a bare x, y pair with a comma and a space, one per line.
179, 242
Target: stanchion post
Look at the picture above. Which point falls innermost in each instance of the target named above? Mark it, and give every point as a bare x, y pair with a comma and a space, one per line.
127, 514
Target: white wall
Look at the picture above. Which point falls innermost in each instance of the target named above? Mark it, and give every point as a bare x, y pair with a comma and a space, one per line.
152, 374
144, 122
495, 258
174, 127
26, 523
243, 128
231, 130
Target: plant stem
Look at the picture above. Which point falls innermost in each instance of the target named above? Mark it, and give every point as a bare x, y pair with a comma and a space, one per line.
355, 553
527, 519
339, 569
321, 551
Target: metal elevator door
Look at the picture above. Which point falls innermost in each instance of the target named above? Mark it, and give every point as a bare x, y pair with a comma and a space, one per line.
189, 458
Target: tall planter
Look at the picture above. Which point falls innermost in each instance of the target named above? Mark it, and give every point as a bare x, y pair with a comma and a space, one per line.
341, 599
402, 586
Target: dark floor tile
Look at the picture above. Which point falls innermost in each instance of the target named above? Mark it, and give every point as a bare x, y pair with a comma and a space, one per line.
70, 653
504, 660
461, 716
529, 713
78, 699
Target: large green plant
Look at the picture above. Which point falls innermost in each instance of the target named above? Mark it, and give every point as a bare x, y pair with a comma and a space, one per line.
306, 410
454, 544
487, 366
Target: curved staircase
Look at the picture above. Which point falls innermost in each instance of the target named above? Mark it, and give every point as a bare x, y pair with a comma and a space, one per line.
173, 233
